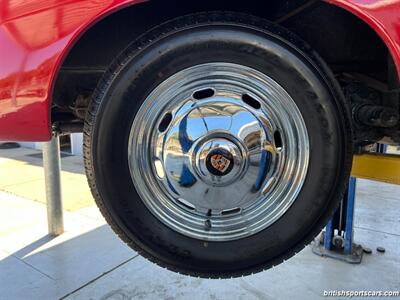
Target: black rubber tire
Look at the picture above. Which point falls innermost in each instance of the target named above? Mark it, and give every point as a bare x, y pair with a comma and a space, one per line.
217, 37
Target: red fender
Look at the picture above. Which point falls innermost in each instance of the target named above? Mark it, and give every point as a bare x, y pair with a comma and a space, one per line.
36, 36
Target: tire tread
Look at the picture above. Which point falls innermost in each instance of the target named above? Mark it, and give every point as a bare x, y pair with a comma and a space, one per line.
208, 18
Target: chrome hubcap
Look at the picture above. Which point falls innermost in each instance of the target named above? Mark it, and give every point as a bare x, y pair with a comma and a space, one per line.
218, 151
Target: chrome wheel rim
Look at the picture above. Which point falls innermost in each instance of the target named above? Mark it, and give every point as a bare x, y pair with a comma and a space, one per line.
218, 151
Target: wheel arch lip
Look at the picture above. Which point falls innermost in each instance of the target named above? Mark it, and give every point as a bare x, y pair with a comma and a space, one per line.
30, 120
381, 17
33, 64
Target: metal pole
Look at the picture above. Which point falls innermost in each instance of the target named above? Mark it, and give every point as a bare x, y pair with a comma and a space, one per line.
52, 174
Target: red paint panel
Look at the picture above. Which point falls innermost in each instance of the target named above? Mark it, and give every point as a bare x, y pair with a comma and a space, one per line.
34, 38
36, 35
383, 16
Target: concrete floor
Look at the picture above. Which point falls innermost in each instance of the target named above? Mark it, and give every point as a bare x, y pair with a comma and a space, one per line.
21, 174
90, 262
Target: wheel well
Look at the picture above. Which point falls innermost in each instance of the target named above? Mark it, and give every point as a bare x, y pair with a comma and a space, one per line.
346, 43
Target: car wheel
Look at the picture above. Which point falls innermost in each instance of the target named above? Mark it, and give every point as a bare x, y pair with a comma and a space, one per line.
218, 145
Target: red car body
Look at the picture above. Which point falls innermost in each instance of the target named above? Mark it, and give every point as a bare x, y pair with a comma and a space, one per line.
36, 36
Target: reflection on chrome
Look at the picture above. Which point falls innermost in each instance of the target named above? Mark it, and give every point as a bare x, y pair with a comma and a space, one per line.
211, 169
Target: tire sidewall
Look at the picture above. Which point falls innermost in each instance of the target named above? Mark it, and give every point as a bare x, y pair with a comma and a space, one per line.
142, 68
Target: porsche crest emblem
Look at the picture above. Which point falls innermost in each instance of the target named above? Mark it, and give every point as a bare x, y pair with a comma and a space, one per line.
219, 162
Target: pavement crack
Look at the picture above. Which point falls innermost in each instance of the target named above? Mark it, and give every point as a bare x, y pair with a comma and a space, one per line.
33, 267
21, 182
98, 277
378, 231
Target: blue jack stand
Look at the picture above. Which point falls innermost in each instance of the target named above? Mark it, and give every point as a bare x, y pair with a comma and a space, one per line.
337, 240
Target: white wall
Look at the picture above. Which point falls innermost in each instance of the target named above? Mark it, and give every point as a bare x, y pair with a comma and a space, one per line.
76, 144
33, 145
